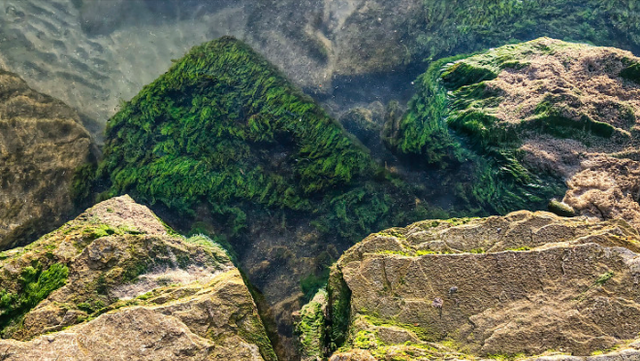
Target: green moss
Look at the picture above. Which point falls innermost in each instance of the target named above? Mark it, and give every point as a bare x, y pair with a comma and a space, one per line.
604, 278
421, 331
312, 283
631, 72
462, 73
450, 126
338, 310
36, 283
551, 121
519, 249
81, 184
225, 130
258, 336
561, 209
311, 328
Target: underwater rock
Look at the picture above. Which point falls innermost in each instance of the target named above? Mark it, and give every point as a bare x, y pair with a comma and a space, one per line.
82, 51
517, 285
116, 283
42, 144
317, 42
222, 143
525, 118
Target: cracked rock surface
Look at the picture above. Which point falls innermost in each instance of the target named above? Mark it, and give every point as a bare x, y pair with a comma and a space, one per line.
534, 285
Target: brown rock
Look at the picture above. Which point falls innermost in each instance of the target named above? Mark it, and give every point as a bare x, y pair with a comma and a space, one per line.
524, 283
126, 287
607, 188
42, 143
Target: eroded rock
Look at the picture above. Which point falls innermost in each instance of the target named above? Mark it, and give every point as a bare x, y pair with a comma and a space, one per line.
522, 284
42, 144
115, 283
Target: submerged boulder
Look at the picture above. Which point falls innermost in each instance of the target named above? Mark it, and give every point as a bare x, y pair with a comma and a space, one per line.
515, 124
517, 286
42, 144
116, 283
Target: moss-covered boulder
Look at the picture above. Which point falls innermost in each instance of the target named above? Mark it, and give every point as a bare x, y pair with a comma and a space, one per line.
223, 144
42, 144
515, 123
509, 287
117, 283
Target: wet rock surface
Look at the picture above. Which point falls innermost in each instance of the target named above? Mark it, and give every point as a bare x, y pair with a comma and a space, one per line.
42, 144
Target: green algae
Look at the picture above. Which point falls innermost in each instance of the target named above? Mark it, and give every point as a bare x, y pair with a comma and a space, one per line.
338, 310
223, 128
311, 328
442, 28
450, 126
631, 72
35, 283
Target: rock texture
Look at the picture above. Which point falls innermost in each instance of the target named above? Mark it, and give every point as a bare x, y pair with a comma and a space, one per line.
511, 127
42, 144
519, 285
116, 283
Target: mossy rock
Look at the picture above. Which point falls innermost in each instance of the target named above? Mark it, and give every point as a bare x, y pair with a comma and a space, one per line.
490, 118
223, 142
223, 128
118, 260
407, 299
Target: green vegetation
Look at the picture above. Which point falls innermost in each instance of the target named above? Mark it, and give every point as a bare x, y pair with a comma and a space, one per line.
604, 278
451, 128
631, 72
35, 284
224, 129
338, 310
312, 283
442, 28
422, 332
311, 328
561, 209
519, 249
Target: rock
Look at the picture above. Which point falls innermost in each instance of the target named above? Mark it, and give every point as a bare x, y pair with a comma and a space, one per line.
42, 144
511, 127
223, 143
521, 284
116, 283
607, 188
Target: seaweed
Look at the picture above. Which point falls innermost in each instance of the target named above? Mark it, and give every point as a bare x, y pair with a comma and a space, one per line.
36, 283
449, 126
224, 129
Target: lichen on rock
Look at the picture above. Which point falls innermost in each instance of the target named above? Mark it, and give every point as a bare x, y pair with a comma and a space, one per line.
116, 276
517, 286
